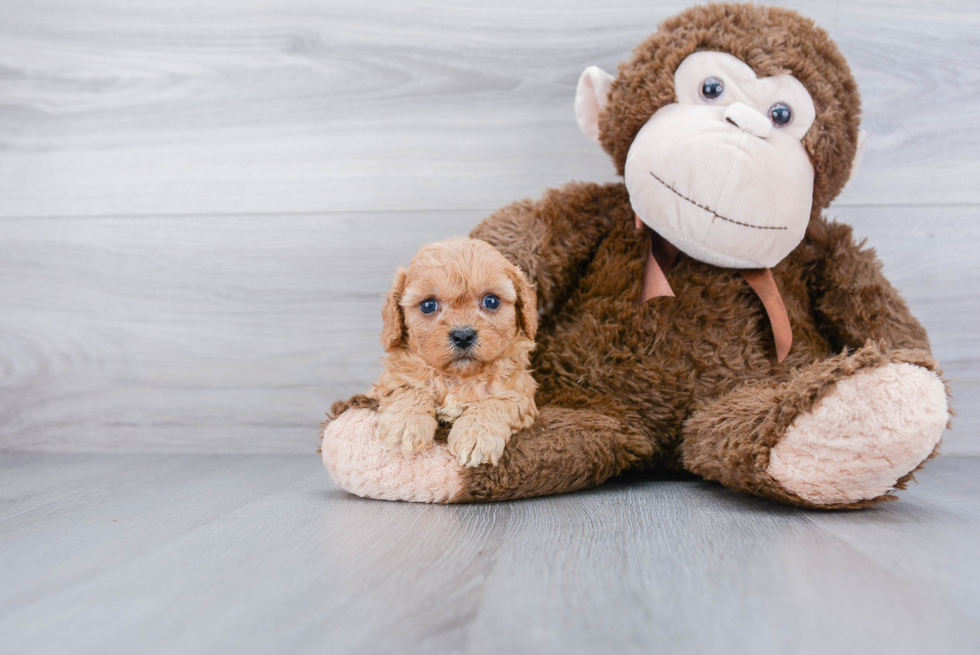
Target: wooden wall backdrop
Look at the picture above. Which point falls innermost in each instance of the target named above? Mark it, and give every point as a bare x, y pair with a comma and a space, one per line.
201, 203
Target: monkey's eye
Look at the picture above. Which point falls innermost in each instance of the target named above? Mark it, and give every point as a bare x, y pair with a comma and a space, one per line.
780, 115
428, 306
491, 301
712, 88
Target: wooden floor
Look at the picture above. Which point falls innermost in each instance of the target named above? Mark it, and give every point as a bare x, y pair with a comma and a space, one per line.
262, 554
201, 207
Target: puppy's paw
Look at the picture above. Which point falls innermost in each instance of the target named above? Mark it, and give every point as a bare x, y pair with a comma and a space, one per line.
409, 431
474, 444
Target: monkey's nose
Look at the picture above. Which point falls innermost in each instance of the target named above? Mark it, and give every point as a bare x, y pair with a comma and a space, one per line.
748, 120
463, 337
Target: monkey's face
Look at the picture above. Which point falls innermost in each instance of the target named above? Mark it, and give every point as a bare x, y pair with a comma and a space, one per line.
723, 173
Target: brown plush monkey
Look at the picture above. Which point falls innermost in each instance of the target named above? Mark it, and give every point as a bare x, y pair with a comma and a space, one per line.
702, 315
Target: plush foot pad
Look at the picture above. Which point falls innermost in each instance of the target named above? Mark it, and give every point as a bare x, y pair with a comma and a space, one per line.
876, 427
359, 463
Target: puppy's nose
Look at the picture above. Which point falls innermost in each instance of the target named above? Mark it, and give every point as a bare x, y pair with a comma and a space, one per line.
463, 337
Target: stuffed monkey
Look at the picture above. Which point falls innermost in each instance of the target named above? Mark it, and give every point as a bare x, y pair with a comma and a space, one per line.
701, 315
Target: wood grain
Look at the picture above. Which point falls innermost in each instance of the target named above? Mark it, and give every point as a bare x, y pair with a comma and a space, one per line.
245, 554
235, 334
201, 204
179, 107
229, 334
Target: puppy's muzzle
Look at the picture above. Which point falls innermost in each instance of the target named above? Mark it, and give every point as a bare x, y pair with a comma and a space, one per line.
463, 337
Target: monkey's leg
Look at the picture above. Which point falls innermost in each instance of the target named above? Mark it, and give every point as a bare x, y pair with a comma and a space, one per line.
566, 450
844, 433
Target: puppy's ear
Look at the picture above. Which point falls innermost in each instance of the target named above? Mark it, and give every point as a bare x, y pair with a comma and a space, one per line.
527, 303
393, 331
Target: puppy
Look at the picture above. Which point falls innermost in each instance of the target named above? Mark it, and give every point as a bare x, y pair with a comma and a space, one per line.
459, 325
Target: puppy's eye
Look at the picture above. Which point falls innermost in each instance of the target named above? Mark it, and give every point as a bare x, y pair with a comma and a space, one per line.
428, 306
491, 301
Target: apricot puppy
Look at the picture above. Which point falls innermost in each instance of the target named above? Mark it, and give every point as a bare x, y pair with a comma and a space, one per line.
459, 325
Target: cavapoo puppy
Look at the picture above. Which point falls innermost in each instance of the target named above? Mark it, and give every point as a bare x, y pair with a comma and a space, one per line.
459, 325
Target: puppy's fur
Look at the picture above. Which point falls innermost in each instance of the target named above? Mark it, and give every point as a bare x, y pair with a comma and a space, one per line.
484, 390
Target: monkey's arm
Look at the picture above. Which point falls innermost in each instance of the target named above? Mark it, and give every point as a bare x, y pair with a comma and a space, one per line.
551, 238
853, 299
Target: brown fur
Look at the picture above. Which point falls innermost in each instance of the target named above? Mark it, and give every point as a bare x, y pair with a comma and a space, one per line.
694, 378
485, 391
691, 382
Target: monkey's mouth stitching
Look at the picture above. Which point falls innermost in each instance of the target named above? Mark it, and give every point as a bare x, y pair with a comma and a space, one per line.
712, 211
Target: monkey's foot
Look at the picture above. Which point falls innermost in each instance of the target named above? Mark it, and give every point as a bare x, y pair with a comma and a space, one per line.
860, 442
358, 462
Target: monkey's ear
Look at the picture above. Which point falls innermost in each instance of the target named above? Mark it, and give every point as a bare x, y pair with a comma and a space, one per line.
858, 154
527, 303
591, 96
393, 331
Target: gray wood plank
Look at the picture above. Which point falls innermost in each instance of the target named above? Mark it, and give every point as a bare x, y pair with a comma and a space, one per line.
226, 335
691, 568
30, 480
235, 334
262, 554
306, 557
938, 544
76, 530
175, 106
